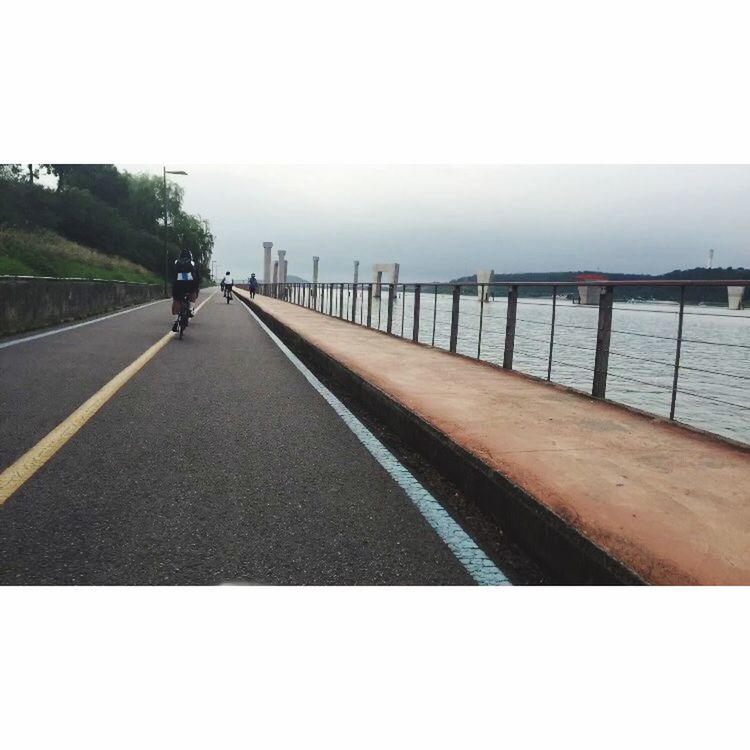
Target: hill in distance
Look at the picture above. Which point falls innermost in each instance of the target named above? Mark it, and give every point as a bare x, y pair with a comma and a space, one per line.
567, 282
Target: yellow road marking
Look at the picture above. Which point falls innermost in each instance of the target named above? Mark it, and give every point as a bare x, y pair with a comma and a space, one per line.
27, 465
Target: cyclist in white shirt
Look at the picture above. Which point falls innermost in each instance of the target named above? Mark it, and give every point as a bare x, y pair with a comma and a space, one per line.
228, 282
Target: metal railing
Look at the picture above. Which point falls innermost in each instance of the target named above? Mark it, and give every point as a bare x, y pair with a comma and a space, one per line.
462, 319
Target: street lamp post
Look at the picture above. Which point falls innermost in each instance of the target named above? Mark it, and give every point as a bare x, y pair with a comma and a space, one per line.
166, 221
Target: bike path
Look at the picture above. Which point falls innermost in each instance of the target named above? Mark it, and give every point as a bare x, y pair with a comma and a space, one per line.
43, 380
216, 463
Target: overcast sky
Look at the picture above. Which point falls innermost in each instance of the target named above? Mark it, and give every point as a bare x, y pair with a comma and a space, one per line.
440, 222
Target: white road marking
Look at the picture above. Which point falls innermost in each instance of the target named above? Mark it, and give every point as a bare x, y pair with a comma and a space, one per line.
476, 563
79, 325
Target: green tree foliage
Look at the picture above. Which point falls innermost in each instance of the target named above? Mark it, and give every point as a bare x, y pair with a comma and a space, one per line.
11, 172
103, 181
115, 212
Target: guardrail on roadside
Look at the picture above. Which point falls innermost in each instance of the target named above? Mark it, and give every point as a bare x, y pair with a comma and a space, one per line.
475, 332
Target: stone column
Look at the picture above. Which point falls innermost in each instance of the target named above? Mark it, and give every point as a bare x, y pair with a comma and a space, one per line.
356, 272
735, 295
314, 290
282, 254
267, 262
276, 272
484, 277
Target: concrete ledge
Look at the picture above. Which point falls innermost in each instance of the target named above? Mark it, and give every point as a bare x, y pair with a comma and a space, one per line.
551, 541
28, 303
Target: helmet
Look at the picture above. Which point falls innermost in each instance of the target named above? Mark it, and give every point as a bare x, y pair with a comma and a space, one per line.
252, 275
227, 273
185, 253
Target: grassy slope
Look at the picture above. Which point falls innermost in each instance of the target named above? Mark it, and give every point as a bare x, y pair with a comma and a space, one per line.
43, 253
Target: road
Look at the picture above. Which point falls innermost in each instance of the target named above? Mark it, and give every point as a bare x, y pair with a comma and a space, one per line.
217, 462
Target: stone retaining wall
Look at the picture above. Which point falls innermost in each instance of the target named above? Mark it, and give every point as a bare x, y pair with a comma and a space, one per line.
27, 302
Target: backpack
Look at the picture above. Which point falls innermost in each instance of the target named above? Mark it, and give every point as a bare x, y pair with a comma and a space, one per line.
184, 269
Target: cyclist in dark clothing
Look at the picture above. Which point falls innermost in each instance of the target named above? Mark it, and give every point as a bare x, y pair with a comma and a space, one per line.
185, 280
253, 284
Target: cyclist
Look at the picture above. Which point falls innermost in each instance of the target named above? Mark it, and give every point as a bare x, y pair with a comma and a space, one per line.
253, 285
228, 282
185, 280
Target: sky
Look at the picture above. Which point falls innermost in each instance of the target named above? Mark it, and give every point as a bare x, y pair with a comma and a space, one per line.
442, 222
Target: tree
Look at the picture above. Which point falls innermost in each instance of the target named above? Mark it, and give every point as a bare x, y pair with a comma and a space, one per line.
115, 212
11, 172
145, 206
193, 233
102, 180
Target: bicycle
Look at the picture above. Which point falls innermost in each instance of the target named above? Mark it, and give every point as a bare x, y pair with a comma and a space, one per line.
228, 294
183, 317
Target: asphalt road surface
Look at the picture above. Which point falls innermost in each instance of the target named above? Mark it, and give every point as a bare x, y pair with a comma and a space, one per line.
216, 463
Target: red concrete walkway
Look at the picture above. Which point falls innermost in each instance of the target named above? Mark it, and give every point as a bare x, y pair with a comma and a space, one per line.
671, 504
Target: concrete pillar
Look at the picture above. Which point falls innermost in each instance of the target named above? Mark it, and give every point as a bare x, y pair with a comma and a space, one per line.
484, 277
378, 269
276, 272
735, 295
282, 253
356, 272
286, 269
314, 291
267, 262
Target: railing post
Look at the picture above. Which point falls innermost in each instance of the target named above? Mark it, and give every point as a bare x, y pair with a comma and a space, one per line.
403, 308
341, 300
389, 322
369, 305
330, 300
481, 320
454, 317
434, 316
510, 328
603, 334
354, 304
415, 328
552, 332
309, 296
677, 353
